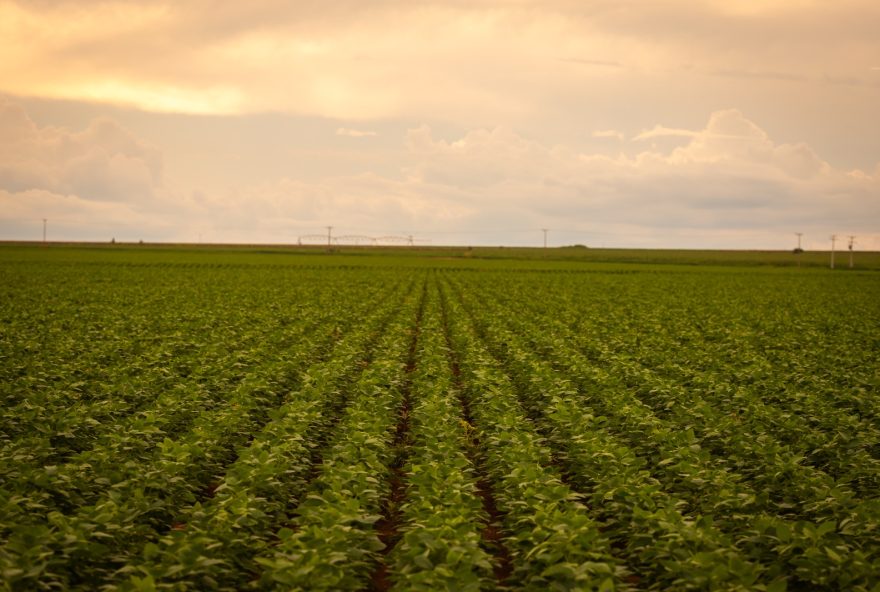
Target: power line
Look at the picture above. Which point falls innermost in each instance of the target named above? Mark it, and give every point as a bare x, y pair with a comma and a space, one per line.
852, 241
833, 240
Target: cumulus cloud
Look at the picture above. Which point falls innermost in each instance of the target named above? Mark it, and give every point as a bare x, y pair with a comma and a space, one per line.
728, 185
71, 217
103, 162
729, 175
101, 176
660, 131
354, 133
732, 138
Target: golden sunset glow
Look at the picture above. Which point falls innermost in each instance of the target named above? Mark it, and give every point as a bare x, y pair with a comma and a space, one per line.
575, 113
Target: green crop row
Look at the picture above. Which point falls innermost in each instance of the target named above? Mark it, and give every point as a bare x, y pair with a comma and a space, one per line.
440, 546
552, 540
331, 543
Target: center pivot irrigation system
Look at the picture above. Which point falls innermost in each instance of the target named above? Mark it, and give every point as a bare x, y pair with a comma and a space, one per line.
358, 240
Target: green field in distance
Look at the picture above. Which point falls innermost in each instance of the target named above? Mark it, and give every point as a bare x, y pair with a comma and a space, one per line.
432, 256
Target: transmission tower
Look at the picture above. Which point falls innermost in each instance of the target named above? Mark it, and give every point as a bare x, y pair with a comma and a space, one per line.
833, 240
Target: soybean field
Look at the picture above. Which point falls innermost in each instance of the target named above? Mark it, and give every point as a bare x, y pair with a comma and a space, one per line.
289, 421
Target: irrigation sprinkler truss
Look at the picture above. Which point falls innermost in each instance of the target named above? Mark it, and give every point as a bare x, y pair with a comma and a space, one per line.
359, 240
354, 239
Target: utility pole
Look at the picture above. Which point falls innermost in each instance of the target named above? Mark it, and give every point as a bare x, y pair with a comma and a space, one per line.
833, 240
409, 239
799, 250
545, 236
852, 241
44, 231
799, 235
329, 229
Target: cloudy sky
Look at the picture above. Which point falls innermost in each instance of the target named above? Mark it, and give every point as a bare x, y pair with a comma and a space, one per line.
665, 123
